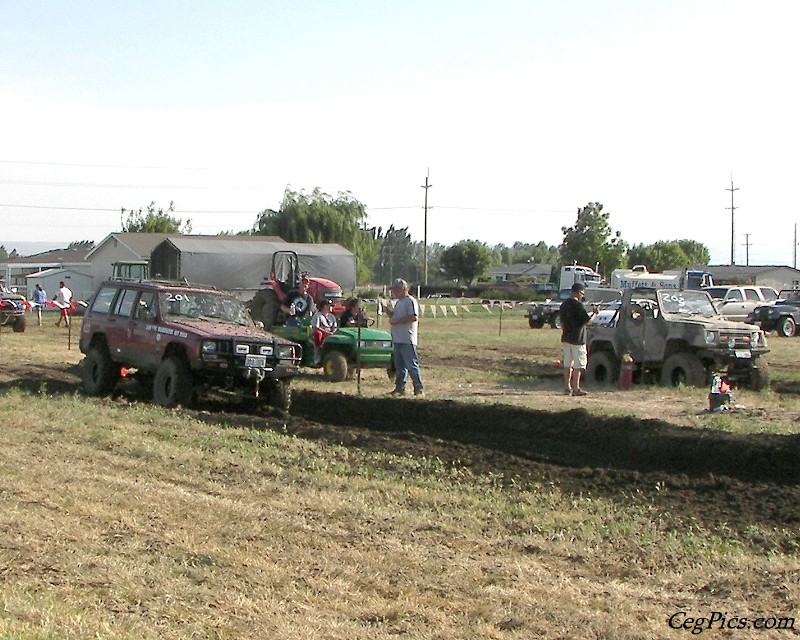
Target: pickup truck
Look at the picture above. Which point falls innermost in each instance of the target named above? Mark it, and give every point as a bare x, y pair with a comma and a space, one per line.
737, 302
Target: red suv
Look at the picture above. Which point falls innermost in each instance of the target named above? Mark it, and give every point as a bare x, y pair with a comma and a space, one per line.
184, 340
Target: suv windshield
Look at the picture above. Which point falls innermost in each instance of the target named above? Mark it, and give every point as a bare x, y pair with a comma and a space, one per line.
692, 302
203, 305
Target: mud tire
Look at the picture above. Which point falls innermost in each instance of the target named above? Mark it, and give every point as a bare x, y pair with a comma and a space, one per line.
759, 378
683, 368
99, 374
334, 366
787, 327
535, 324
555, 321
280, 395
602, 369
19, 325
265, 308
172, 385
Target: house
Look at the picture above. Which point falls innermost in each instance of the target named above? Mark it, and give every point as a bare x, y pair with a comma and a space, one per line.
775, 276
121, 247
15, 270
527, 271
241, 263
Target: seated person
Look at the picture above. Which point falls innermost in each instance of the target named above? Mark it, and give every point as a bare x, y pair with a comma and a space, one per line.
353, 315
299, 304
323, 324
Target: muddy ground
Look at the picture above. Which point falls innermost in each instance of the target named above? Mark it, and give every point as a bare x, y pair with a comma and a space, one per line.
709, 477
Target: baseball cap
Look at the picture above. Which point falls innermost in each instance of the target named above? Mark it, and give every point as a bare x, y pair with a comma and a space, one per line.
399, 283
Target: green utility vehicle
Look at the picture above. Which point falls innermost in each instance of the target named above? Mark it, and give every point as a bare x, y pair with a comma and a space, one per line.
344, 351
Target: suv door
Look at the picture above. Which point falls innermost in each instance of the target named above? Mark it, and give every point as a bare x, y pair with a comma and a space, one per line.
733, 305
143, 332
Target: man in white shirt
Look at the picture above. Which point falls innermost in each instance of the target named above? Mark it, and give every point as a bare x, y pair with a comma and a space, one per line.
404, 318
63, 301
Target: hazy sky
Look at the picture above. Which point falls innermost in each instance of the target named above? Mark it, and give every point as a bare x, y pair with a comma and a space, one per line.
522, 110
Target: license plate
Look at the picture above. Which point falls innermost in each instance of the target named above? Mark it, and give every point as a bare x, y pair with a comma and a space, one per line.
255, 361
742, 353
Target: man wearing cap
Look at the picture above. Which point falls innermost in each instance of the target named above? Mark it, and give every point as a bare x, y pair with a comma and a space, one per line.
404, 318
573, 339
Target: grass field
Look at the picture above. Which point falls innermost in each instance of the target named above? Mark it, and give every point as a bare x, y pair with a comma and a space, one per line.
367, 517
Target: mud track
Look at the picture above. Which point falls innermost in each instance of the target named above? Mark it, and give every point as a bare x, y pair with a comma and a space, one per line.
710, 478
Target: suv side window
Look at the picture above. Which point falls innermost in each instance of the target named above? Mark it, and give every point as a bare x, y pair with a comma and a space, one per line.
146, 309
734, 295
751, 294
124, 306
769, 294
102, 303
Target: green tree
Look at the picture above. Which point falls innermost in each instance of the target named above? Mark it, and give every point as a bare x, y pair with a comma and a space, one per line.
592, 240
669, 254
319, 218
152, 220
396, 257
466, 260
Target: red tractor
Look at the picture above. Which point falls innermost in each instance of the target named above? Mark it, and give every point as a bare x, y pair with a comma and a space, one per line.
270, 304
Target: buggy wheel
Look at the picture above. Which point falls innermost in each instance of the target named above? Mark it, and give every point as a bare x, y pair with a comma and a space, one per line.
683, 368
19, 325
602, 369
280, 395
787, 327
334, 365
172, 385
535, 324
99, 374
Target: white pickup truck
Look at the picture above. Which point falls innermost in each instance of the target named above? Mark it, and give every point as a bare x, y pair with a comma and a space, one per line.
736, 302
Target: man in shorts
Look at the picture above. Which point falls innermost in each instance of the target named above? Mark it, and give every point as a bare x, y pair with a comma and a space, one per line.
573, 339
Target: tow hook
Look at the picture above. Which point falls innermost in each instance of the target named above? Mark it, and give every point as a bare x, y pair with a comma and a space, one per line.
255, 374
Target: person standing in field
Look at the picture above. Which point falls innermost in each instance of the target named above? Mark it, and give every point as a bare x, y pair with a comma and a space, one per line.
574, 318
404, 319
63, 301
39, 299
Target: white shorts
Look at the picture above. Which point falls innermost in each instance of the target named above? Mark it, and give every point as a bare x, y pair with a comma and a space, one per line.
574, 356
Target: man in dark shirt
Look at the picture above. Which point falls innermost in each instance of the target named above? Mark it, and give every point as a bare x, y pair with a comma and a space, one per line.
573, 339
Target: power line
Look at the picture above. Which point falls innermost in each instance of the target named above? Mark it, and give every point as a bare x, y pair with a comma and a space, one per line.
103, 166
117, 210
83, 185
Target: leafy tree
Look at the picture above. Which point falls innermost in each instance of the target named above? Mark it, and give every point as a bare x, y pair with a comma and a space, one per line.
397, 255
592, 240
317, 218
669, 254
466, 260
152, 220
539, 253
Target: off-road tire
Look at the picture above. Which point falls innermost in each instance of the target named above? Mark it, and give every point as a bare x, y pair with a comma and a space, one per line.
683, 368
19, 325
172, 385
759, 378
602, 369
280, 395
265, 308
334, 366
535, 324
787, 327
99, 374
555, 321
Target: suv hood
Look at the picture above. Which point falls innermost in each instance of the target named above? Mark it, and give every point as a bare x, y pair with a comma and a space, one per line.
211, 329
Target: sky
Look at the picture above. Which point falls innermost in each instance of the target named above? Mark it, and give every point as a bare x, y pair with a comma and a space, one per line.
517, 112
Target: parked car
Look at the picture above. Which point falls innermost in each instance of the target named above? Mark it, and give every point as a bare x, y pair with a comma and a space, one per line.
736, 302
782, 316
182, 341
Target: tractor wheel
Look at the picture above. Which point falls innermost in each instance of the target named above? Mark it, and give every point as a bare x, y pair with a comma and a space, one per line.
683, 368
19, 325
602, 369
555, 321
280, 395
334, 365
172, 385
759, 378
99, 374
265, 308
787, 327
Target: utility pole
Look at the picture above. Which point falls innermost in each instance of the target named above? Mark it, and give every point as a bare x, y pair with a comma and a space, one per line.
732, 208
747, 249
425, 186
794, 246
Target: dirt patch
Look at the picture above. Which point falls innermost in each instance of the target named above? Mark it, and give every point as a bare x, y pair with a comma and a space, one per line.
710, 477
